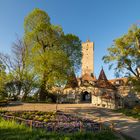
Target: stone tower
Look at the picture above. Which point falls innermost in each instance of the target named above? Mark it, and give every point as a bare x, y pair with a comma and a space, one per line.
88, 58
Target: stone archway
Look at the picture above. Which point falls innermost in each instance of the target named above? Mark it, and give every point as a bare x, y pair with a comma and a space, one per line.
86, 97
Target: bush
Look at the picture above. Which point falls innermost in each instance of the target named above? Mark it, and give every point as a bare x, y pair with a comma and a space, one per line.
135, 112
30, 99
137, 108
3, 102
49, 100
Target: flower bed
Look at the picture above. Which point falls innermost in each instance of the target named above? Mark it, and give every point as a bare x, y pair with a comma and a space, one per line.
52, 121
11, 130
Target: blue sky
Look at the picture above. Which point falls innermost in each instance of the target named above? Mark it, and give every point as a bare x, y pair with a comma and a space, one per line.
100, 20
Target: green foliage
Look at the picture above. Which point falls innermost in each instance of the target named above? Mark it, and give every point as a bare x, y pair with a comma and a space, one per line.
3, 80
135, 112
137, 109
135, 83
72, 47
51, 53
43, 59
125, 53
37, 16
55, 63
20, 79
43, 42
9, 129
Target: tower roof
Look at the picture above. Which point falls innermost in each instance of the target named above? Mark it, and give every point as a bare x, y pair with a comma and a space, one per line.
102, 81
72, 81
102, 75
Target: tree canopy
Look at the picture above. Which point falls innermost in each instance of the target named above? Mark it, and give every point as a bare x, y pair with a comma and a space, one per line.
124, 54
42, 59
3, 79
51, 53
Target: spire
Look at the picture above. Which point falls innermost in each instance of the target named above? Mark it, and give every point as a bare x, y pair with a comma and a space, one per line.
102, 81
102, 75
72, 81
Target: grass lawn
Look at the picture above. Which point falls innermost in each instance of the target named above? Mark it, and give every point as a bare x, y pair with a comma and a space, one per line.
10, 130
129, 112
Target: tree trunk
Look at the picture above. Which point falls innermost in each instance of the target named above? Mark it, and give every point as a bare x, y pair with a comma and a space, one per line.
24, 97
43, 91
19, 86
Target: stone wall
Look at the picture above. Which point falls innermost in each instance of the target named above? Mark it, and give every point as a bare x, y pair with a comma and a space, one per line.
100, 101
130, 98
87, 58
106, 103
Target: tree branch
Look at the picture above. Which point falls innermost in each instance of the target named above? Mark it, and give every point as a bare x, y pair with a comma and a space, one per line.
131, 70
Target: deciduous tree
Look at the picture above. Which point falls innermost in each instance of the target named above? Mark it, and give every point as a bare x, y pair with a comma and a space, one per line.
20, 78
125, 54
52, 53
3, 80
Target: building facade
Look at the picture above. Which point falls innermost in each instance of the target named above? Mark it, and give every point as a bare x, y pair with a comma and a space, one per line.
100, 92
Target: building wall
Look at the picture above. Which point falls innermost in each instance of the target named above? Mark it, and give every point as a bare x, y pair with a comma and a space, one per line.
88, 57
97, 99
131, 98
124, 96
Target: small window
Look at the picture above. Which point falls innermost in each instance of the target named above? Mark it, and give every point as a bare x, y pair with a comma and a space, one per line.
117, 82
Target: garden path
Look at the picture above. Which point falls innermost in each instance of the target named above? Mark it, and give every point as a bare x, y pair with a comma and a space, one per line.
125, 125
